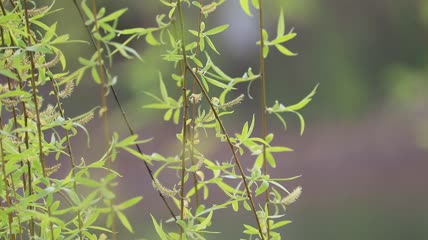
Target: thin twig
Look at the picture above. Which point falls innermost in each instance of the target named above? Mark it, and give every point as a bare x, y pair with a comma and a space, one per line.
185, 112
36, 106
104, 109
70, 153
263, 112
122, 111
232, 148
6, 185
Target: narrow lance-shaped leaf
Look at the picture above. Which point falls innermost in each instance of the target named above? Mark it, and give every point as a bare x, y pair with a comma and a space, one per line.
246, 7
280, 28
285, 50
217, 30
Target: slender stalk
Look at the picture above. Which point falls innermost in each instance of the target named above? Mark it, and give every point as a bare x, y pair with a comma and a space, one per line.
70, 153
15, 123
15, 126
36, 106
232, 148
185, 112
102, 78
193, 128
263, 111
6, 185
104, 108
123, 113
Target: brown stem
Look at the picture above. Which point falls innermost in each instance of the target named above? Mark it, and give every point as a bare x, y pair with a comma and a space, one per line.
70, 153
15, 123
185, 112
6, 185
263, 112
104, 108
193, 128
125, 118
232, 148
36, 106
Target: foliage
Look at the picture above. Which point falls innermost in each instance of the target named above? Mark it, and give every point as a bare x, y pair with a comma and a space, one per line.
35, 130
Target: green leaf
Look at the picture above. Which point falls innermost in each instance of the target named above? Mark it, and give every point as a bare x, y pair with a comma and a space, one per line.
280, 224
250, 230
163, 90
157, 106
285, 51
124, 220
262, 188
9, 74
271, 160
130, 31
235, 206
255, 4
279, 149
159, 229
302, 123
211, 44
280, 28
218, 84
168, 114
196, 4
281, 119
265, 51
282, 39
87, 11
95, 75
150, 39
216, 30
113, 16
269, 137
205, 222
129, 203
176, 117
259, 161
15, 93
303, 102
246, 7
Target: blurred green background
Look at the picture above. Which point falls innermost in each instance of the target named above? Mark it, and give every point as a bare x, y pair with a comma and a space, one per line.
364, 155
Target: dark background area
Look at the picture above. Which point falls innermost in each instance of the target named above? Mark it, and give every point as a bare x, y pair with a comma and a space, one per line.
364, 155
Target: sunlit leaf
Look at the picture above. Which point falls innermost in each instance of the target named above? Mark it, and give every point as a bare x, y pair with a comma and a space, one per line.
216, 30
246, 7
285, 50
280, 28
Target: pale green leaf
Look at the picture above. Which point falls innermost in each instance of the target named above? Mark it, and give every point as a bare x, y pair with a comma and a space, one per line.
113, 16
163, 90
216, 30
159, 229
280, 28
250, 230
279, 149
255, 4
168, 114
124, 220
129, 203
246, 7
150, 39
211, 44
283, 38
262, 188
280, 224
285, 50
303, 102
95, 75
